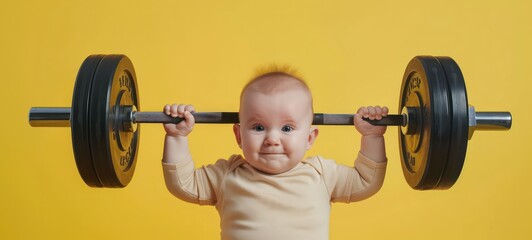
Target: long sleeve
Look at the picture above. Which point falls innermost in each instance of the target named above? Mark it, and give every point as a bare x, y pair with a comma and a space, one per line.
350, 184
199, 186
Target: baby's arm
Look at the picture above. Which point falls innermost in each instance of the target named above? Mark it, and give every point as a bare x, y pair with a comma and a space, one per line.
350, 184
372, 142
366, 178
176, 148
178, 167
182, 180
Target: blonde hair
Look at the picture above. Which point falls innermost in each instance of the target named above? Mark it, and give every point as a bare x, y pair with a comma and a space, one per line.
276, 72
272, 68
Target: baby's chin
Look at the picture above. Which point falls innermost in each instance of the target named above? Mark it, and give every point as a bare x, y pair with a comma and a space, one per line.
272, 166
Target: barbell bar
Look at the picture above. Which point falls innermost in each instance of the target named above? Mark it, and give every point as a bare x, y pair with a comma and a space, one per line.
60, 117
435, 121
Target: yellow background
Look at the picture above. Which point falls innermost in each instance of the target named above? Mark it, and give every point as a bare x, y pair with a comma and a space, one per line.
352, 53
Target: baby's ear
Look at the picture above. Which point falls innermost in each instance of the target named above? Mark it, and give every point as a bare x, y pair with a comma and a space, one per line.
312, 136
236, 130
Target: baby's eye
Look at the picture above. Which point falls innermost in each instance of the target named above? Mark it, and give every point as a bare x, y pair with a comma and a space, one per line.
287, 128
258, 128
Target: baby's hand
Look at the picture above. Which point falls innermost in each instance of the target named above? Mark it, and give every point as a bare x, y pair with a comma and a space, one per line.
182, 111
365, 128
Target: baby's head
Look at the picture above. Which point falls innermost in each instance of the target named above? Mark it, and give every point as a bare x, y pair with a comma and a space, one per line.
275, 127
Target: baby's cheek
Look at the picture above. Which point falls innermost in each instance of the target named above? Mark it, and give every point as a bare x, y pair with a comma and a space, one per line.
298, 150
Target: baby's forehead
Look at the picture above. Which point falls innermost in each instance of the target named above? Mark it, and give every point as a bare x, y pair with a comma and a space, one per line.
275, 83
284, 95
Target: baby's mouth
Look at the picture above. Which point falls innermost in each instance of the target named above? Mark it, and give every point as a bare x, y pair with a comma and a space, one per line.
272, 156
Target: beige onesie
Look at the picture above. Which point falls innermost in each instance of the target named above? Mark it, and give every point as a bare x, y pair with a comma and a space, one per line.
290, 205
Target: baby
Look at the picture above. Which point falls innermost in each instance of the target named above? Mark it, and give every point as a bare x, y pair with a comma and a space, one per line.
272, 192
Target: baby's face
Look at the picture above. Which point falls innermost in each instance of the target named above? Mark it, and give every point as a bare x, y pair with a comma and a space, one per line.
275, 129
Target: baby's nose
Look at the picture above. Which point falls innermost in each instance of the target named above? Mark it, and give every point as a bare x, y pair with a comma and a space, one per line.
272, 139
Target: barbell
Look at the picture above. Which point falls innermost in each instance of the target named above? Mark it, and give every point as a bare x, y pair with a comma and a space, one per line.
435, 121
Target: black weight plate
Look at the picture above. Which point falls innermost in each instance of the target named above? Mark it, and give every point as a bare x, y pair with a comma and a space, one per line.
459, 123
424, 153
79, 121
114, 151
